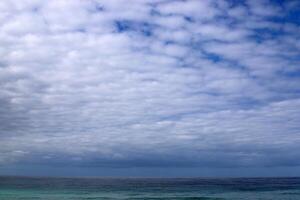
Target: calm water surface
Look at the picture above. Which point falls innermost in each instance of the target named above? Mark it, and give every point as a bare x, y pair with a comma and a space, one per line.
26, 188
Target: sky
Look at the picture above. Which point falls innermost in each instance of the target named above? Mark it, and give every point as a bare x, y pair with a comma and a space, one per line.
150, 87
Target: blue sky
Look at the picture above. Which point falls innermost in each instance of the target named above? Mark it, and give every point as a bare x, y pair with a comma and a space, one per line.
150, 87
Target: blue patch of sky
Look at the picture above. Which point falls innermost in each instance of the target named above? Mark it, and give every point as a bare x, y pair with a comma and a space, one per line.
290, 14
143, 28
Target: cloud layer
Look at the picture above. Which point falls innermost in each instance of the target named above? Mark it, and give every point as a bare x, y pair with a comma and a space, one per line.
150, 83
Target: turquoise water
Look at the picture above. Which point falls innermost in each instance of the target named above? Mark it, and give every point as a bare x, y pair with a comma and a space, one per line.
17, 188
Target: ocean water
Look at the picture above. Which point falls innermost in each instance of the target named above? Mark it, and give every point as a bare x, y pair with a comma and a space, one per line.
30, 188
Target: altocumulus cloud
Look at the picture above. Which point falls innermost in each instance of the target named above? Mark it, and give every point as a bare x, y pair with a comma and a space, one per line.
150, 83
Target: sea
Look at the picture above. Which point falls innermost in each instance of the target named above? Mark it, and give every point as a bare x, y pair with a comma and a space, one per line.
49, 188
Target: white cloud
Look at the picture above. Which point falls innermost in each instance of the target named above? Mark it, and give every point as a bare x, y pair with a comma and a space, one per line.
175, 82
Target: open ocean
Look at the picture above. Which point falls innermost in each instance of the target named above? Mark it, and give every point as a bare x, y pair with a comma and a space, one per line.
27, 188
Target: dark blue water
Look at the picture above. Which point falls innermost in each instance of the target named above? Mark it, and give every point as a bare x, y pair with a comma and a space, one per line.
13, 188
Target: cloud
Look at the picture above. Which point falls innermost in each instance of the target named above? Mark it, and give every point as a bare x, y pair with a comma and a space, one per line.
148, 83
